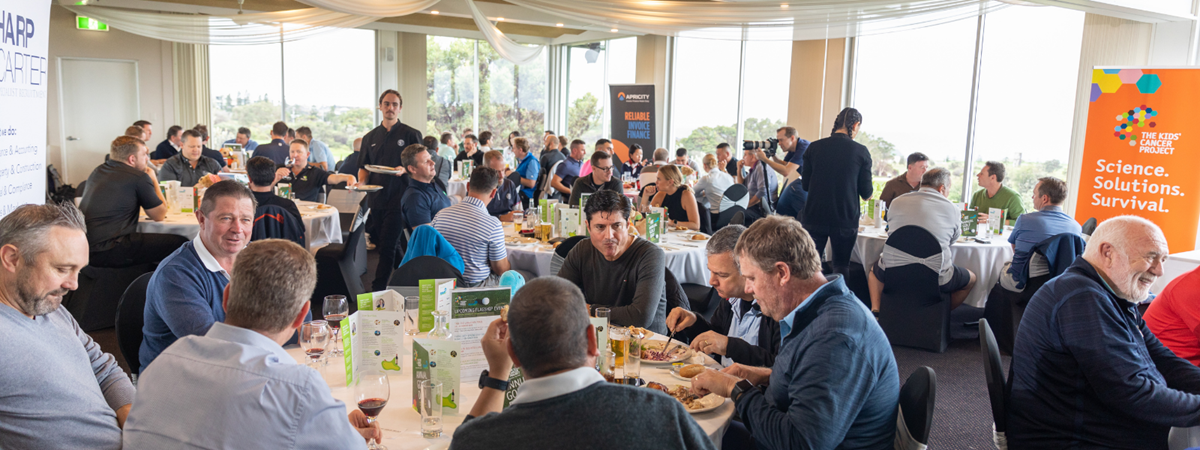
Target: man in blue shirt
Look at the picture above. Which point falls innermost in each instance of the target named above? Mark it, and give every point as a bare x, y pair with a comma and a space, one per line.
243, 139
1086, 370
277, 149
318, 153
235, 386
184, 294
1048, 221
422, 200
477, 236
793, 197
834, 383
527, 168
568, 170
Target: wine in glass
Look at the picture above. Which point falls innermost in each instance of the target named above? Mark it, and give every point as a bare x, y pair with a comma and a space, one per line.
313, 337
371, 392
335, 310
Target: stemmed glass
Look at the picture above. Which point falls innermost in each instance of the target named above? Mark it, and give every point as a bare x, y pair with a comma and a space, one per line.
313, 337
335, 310
371, 391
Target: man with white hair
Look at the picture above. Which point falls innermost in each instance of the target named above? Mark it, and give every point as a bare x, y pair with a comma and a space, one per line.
1087, 372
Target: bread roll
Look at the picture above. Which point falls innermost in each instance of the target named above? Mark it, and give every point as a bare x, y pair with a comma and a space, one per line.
691, 370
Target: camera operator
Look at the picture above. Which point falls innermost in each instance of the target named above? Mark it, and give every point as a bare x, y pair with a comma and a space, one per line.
793, 197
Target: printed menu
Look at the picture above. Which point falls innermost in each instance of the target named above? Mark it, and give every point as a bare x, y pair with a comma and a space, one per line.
435, 296
373, 337
471, 311
437, 359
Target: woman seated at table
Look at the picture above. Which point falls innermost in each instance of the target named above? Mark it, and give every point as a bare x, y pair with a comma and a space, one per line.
670, 192
634, 166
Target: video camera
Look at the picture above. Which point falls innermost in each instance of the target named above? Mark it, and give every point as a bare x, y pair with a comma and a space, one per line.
768, 146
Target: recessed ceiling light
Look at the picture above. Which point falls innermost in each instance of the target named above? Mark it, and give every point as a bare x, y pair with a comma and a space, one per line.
558, 24
785, 5
499, 19
434, 12
614, 30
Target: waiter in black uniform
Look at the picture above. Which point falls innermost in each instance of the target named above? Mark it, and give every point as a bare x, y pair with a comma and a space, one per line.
382, 147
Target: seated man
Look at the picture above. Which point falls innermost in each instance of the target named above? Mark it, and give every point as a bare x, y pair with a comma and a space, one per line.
189, 165
277, 149
568, 170
168, 147
215, 155
263, 174
834, 383
682, 159
471, 152
318, 153
601, 178
929, 209
477, 236
995, 195
184, 294
350, 164
562, 386
739, 331
59, 388
1048, 221
308, 181
235, 386
1086, 371
508, 197
243, 138
442, 167
621, 272
112, 198
422, 200
710, 188
1174, 315
909, 181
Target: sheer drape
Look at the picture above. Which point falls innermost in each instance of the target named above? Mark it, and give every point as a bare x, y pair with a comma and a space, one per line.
507, 48
374, 8
239, 29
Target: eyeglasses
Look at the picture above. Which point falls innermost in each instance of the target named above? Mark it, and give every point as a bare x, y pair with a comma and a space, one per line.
606, 169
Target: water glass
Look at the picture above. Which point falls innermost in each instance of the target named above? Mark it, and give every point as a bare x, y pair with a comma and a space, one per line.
429, 401
336, 309
633, 357
412, 305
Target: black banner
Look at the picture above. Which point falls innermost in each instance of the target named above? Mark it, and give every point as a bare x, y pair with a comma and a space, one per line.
632, 118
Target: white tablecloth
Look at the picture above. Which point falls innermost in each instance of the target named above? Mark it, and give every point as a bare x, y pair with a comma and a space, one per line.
321, 226
402, 424
984, 260
686, 258
1176, 265
457, 188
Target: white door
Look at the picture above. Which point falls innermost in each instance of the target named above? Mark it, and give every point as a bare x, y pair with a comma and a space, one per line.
98, 99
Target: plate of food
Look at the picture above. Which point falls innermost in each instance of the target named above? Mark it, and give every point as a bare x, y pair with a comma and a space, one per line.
686, 372
658, 352
320, 207
382, 169
521, 241
366, 187
695, 404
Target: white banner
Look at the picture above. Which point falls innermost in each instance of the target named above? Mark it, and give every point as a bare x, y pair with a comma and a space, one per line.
24, 47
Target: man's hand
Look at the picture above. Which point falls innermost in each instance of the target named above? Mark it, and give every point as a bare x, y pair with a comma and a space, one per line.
719, 383
495, 349
760, 155
368, 431
680, 319
756, 375
153, 174
122, 414
711, 342
281, 173
983, 217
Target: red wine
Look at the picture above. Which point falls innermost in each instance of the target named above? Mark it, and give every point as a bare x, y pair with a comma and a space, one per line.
335, 320
372, 406
315, 353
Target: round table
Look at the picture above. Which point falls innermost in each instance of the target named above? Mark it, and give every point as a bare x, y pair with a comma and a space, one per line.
401, 424
687, 259
984, 260
456, 188
321, 226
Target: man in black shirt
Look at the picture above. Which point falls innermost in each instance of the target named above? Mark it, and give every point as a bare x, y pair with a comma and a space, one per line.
725, 159
600, 178
112, 196
277, 149
308, 180
470, 151
836, 173
383, 146
263, 175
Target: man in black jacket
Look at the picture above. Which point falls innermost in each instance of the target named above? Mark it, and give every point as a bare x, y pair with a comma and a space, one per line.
836, 172
382, 146
739, 332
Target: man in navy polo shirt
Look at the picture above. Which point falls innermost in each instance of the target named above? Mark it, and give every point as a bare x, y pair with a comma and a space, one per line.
508, 197
793, 197
422, 200
277, 149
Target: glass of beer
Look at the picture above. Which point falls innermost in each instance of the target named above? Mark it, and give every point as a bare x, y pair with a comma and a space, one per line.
546, 231
619, 337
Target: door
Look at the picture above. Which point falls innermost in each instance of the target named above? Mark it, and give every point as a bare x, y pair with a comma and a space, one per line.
98, 99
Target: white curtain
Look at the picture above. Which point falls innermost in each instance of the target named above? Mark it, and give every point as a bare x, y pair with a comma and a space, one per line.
374, 8
763, 20
507, 48
238, 29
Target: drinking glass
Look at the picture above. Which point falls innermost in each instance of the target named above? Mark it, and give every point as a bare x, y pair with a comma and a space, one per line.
441, 325
619, 338
633, 358
290, 161
336, 308
412, 305
429, 402
313, 337
371, 392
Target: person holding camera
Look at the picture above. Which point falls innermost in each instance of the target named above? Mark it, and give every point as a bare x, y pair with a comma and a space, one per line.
794, 196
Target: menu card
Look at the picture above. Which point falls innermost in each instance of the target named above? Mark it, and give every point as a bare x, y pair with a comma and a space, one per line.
185, 197
583, 199
544, 209
435, 296
465, 173
373, 337
654, 227
471, 311
569, 224
970, 220
437, 359
996, 219
601, 326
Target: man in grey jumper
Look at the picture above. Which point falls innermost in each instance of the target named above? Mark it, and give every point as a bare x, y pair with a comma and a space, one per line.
564, 402
621, 272
57, 388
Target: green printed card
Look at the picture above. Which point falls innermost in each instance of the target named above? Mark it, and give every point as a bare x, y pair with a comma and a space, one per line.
437, 359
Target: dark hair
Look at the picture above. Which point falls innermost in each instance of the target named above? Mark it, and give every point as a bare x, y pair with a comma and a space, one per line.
291, 133
597, 156
917, 157
548, 326
787, 131
514, 134
429, 142
244, 131
446, 137
191, 133
471, 137
722, 145
175, 129
279, 129
260, 170
562, 141
578, 142
607, 201
846, 119
1053, 187
483, 180
142, 123
680, 152
602, 141
229, 188
995, 168
304, 131
409, 156
392, 91
549, 132
203, 130
936, 178
634, 148
485, 138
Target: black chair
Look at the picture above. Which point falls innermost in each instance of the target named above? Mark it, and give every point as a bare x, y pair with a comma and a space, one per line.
913, 310
1005, 308
560, 253
703, 299
95, 301
917, 401
705, 218
739, 218
994, 372
1088, 227
340, 267
129, 319
676, 297
424, 268
733, 193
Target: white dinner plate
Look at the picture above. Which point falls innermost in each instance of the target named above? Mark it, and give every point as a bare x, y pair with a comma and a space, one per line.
678, 358
710, 408
381, 169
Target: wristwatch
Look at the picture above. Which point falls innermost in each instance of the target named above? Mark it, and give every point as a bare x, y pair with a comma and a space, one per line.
739, 389
486, 381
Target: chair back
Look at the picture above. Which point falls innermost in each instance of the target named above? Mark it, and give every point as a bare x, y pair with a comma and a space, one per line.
676, 296
726, 217
427, 241
129, 321
705, 218
918, 397
646, 178
735, 192
424, 268
1089, 226
274, 222
994, 373
548, 191
560, 253
913, 311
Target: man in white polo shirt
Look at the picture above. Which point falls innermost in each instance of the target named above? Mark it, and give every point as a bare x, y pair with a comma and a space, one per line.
476, 235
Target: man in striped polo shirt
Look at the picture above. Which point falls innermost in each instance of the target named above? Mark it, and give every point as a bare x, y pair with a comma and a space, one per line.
478, 237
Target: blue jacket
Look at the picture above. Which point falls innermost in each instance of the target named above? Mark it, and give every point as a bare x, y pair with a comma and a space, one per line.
1088, 373
834, 384
426, 241
1060, 252
275, 222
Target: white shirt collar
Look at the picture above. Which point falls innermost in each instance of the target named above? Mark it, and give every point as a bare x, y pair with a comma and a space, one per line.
538, 389
177, 148
206, 257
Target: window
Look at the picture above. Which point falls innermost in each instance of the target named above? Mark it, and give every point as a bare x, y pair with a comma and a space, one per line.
451, 85
764, 97
240, 100
512, 98
586, 91
705, 98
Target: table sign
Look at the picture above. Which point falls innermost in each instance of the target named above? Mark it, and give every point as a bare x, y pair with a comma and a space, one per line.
544, 209
654, 227
185, 197
583, 199
970, 220
601, 326
465, 173
569, 223
437, 359
435, 296
515, 379
471, 311
995, 222
376, 337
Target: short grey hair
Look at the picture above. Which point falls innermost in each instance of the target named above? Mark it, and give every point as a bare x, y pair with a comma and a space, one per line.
780, 239
272, 279
936, 178
28, 226
661, 154
724, 240
1119, 232
547, 325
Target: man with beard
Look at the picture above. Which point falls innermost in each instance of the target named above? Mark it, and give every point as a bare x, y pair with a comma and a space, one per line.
59, 388
1086, 370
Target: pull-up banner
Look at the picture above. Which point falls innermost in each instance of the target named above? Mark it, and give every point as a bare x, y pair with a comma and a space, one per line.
1140, 155
24, 47
632, 118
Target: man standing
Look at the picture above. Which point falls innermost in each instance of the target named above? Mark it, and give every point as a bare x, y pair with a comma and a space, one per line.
478, 237
59, 388
422, 200
1048, 221
168, 147
308, 181
834, 383
1086, 370
189, 165
994, 194
277, 149
318, 153
726, 161
550, 155
739, 332
909, 181
114, 194
243, 139
568, 170
528, 168
384, 146
600, 178
794, 197
836, 173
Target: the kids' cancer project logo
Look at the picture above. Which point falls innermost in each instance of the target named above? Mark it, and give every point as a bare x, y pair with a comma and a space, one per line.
1133, 122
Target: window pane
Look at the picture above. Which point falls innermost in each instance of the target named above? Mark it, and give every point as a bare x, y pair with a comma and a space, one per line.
586, 91
1017, 84
705, 97
240, 100
913, 89
512, 98
329, 83
451, 84
764, 99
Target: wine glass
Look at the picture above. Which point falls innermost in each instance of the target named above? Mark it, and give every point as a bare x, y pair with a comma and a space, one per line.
371, 392
290, 161
313, 337
335, 310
